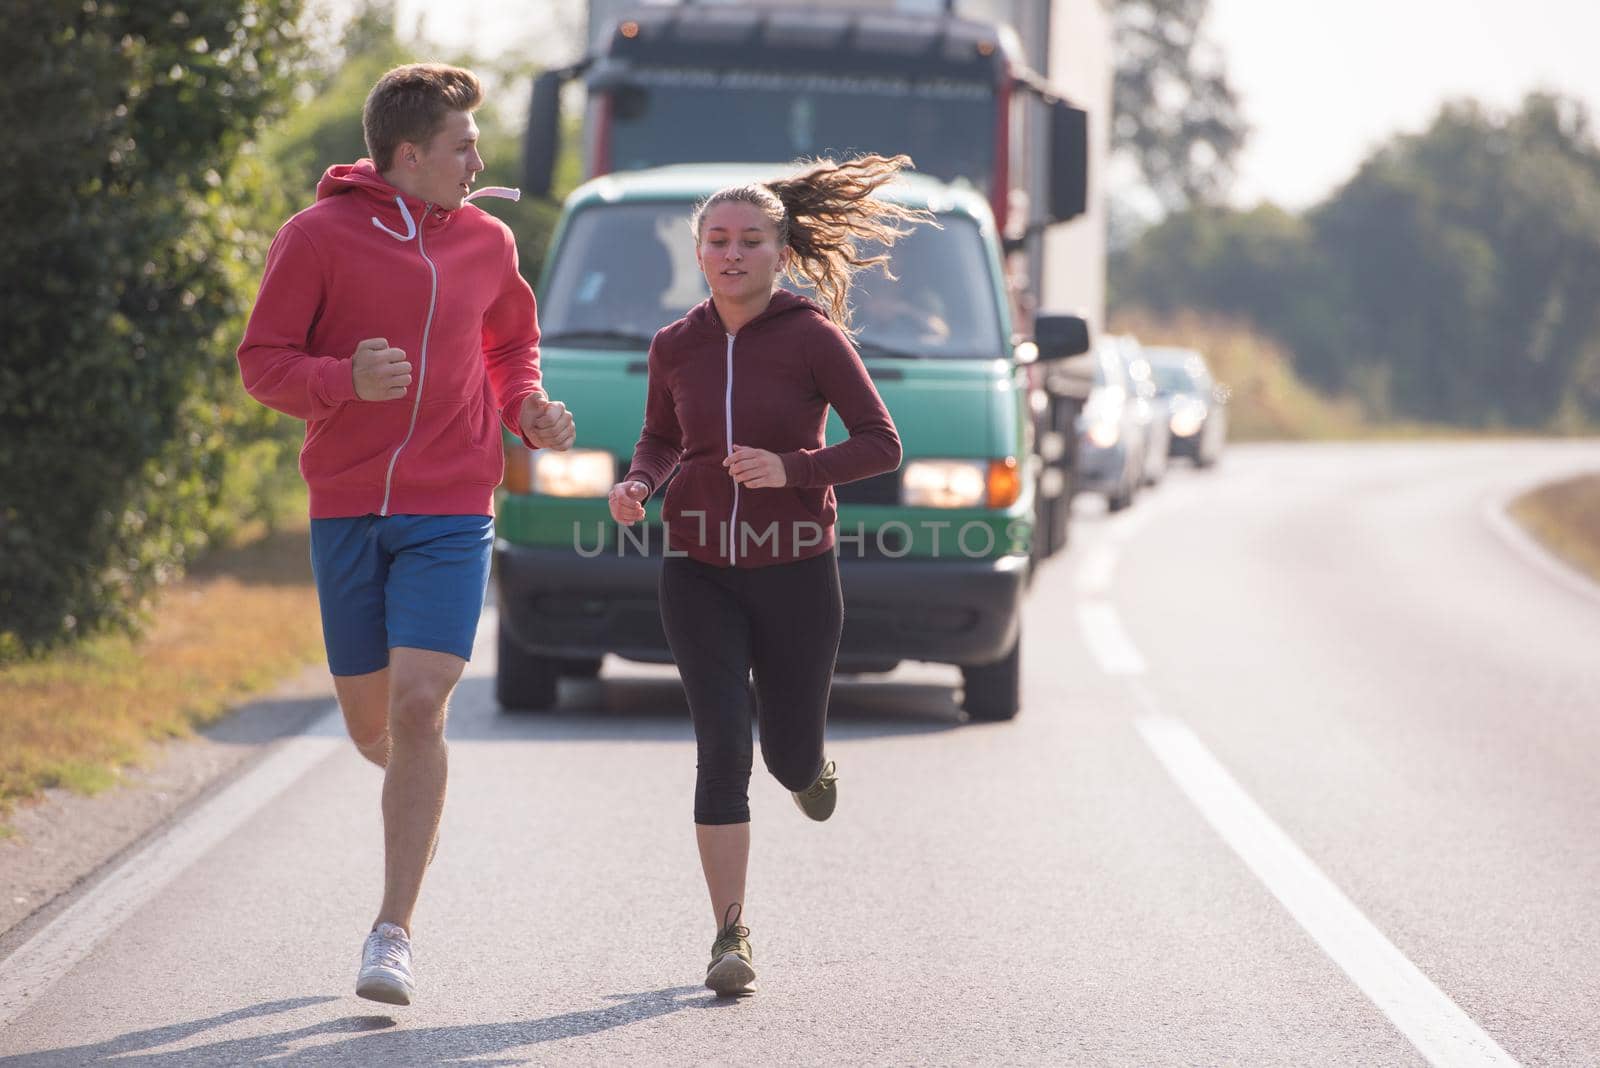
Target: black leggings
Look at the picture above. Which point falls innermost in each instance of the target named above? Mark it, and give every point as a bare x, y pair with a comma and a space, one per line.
782, 621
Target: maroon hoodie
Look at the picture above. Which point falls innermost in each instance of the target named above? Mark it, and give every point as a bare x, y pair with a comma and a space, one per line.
768, 387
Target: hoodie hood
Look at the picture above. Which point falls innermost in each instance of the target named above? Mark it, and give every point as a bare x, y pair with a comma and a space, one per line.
362, 175
703, 317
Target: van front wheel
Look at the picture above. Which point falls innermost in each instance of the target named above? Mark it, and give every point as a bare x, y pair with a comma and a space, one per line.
523, 680
993, 691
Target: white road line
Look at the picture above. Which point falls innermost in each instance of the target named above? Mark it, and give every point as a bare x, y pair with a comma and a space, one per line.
1108, 643
1096, 569
1433, 1023
1423, 1013
1499, 521
66, 940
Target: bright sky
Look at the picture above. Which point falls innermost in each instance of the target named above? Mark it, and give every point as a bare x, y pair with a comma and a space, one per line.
1322, 82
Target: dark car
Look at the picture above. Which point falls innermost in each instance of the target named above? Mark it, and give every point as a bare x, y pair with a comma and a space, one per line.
1197, 406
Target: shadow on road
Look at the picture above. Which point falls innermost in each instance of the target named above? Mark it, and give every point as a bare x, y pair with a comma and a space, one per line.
374, 1039
654, 709
268, 719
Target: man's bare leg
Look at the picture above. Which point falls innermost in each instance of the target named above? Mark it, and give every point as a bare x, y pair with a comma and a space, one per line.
364, 700
420, 682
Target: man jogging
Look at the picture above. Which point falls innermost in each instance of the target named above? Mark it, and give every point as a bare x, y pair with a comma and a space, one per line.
392, 319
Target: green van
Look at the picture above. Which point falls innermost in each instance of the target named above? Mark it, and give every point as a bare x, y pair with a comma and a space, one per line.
934, 558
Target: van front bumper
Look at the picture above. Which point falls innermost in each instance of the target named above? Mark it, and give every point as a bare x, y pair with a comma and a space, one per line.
948, 611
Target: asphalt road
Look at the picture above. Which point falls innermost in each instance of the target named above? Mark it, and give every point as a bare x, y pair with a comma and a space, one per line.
1305, 775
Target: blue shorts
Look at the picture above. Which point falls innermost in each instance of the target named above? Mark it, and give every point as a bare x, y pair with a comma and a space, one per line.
402, 580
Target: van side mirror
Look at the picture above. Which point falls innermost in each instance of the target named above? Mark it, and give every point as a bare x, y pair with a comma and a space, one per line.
544, 133
1060, 336
1069, 161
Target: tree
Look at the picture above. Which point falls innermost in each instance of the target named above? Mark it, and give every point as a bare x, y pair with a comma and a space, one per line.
1175, 115
1451, 279
1262, 265
123, 281
1471, 253
326, 129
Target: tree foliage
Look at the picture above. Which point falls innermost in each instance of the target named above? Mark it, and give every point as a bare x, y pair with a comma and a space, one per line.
1175, 114
1450, 279
326, 129
124, 274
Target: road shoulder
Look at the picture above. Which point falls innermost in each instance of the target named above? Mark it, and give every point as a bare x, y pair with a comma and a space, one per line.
66, 839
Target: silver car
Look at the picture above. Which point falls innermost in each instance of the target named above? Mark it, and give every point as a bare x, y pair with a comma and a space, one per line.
1111, 438
1197, 405
1152, 410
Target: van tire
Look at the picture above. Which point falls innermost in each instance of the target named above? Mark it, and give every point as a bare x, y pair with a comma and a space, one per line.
993, 691
522, 680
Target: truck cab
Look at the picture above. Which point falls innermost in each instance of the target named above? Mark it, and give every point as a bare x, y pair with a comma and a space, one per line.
934, 558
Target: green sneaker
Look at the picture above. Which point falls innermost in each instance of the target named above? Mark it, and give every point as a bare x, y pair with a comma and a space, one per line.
818, 799
732, 972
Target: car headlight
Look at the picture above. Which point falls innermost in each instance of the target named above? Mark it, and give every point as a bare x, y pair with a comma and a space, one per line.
944, 483
575, 473
1187, 416
1102, 416
1104, 432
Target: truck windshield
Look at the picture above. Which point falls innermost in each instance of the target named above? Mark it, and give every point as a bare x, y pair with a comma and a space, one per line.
623, 271
665, 117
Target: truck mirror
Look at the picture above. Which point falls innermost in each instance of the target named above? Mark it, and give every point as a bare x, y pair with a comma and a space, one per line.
1069, 161
1060, 336
544, 131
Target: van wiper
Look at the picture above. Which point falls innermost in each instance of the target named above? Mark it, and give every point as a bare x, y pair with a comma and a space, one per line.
604, 338
873, 348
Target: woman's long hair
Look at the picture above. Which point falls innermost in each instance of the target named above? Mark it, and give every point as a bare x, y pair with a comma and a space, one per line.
821, 213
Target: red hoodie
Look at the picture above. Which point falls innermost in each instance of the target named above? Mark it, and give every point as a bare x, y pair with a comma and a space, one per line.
768, 387
366, 261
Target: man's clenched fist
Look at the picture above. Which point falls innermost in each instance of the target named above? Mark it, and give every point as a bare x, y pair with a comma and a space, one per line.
547, 423
381, 373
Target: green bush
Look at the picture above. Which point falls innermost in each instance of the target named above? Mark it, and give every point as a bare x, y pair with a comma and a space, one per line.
134, 237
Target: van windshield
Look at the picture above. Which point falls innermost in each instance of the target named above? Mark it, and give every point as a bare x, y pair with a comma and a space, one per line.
623, 271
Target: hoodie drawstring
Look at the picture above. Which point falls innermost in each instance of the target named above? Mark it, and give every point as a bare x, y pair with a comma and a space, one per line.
500, 191
405, 213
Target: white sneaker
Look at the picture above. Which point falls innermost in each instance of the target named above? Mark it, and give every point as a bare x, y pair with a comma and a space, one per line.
386, 967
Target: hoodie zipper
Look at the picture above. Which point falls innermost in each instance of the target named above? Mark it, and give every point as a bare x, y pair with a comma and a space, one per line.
422, 370
727, 407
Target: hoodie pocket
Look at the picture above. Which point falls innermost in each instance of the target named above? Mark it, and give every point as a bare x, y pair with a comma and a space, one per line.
697, 507
783, 523
351, 448
451, 445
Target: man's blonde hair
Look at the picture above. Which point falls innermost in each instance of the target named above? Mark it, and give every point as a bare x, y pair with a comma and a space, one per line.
411, 103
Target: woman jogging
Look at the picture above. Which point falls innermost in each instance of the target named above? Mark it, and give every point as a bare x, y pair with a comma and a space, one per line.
739, 394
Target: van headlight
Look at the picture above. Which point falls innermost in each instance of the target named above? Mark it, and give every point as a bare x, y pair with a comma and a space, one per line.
945, 483
575, 473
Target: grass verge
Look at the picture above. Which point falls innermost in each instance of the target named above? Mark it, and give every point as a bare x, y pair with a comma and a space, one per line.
1267, 401
244, 618
1565, 518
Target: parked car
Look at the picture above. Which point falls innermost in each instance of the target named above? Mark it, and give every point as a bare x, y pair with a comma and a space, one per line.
1111, 439
1198, 405
1152, 411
